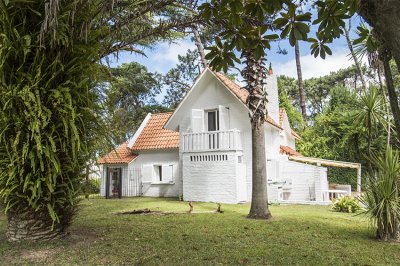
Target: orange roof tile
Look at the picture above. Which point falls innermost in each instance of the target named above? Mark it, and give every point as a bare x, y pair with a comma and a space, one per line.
155, 136
271, 121
289, 151
121, 155
241, 93
282, 112
281, 116
295, 135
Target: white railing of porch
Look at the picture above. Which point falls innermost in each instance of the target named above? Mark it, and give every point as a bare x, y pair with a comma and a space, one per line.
212, 140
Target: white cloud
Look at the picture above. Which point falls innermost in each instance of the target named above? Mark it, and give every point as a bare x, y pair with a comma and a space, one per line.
315, 67
165, 55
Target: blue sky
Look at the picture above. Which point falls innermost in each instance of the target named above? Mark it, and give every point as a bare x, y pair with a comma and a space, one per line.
164, 56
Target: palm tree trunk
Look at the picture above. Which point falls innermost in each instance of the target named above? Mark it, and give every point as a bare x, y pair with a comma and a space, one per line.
25, 223
199, 45
393, 98
300, 82
255, 75
354, 56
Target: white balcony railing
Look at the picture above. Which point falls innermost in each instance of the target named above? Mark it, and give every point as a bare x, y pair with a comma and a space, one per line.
212, 140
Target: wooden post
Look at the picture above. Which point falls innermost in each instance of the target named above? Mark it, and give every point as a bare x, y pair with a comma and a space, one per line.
107, 183
359, 180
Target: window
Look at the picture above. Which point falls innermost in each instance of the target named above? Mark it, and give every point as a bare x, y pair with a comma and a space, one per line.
158, 172
163, 174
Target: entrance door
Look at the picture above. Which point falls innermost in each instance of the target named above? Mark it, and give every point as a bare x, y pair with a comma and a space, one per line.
114, 184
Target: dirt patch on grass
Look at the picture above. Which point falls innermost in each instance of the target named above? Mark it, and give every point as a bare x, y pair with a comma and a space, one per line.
150, 212
38, 255
82, 237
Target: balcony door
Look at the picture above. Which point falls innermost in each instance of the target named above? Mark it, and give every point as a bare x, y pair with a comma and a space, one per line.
212, 120
213, 125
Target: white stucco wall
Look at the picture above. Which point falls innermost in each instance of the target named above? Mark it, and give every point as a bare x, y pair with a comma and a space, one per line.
160, 157
272, 142
307, 181
212, 180
271, 88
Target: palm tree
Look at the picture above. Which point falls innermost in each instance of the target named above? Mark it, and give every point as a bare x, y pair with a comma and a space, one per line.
292, 24
50, 54
368, 45
381, 197
346, 33
300, 82
371, 114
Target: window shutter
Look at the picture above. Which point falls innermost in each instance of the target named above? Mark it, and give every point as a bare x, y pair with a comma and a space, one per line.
167, 173
223, 117
147, 173
197, 120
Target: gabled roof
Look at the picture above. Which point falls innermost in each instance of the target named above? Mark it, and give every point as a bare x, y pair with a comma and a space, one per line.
289, 151
295, 135
282, 113
155, 136
241, 94
121, 155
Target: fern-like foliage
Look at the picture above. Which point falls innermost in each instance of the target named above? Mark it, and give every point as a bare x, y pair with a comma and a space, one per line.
47, 98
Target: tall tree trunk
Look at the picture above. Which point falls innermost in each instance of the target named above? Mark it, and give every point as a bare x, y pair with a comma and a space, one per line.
199, 45
354, 56
387, 105
383, 16
24, 223
255, 75
300, 82
393, 98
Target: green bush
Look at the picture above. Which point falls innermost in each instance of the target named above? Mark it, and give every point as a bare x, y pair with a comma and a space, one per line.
91, 187
346, 204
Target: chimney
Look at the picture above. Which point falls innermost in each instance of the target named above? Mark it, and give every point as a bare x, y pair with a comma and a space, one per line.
270, 72
271, 87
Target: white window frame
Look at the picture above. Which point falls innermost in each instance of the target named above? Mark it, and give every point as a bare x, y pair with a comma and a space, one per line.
156, 174
217, 122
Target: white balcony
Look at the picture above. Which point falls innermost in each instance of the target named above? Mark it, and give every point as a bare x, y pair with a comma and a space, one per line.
212, 141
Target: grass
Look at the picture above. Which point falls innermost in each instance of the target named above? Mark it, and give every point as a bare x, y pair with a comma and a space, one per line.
297, 234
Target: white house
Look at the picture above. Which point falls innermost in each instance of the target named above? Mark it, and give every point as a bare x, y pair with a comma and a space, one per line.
202, 151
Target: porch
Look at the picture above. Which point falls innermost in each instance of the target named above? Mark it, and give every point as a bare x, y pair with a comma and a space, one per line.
222, 140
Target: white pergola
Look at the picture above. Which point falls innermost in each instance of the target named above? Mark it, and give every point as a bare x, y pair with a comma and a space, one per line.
331, 163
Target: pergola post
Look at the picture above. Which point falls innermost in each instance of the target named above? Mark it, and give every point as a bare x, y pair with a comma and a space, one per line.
359, 180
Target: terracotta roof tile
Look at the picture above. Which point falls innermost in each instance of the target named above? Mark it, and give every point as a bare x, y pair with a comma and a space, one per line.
282, 112
121, 155
271, 121
155, 136
241, 93
289, 151
295, 135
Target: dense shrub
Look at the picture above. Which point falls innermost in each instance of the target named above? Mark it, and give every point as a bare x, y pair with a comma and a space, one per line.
346, 204
91, 187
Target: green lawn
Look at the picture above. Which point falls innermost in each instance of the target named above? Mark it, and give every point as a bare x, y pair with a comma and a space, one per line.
297, 234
